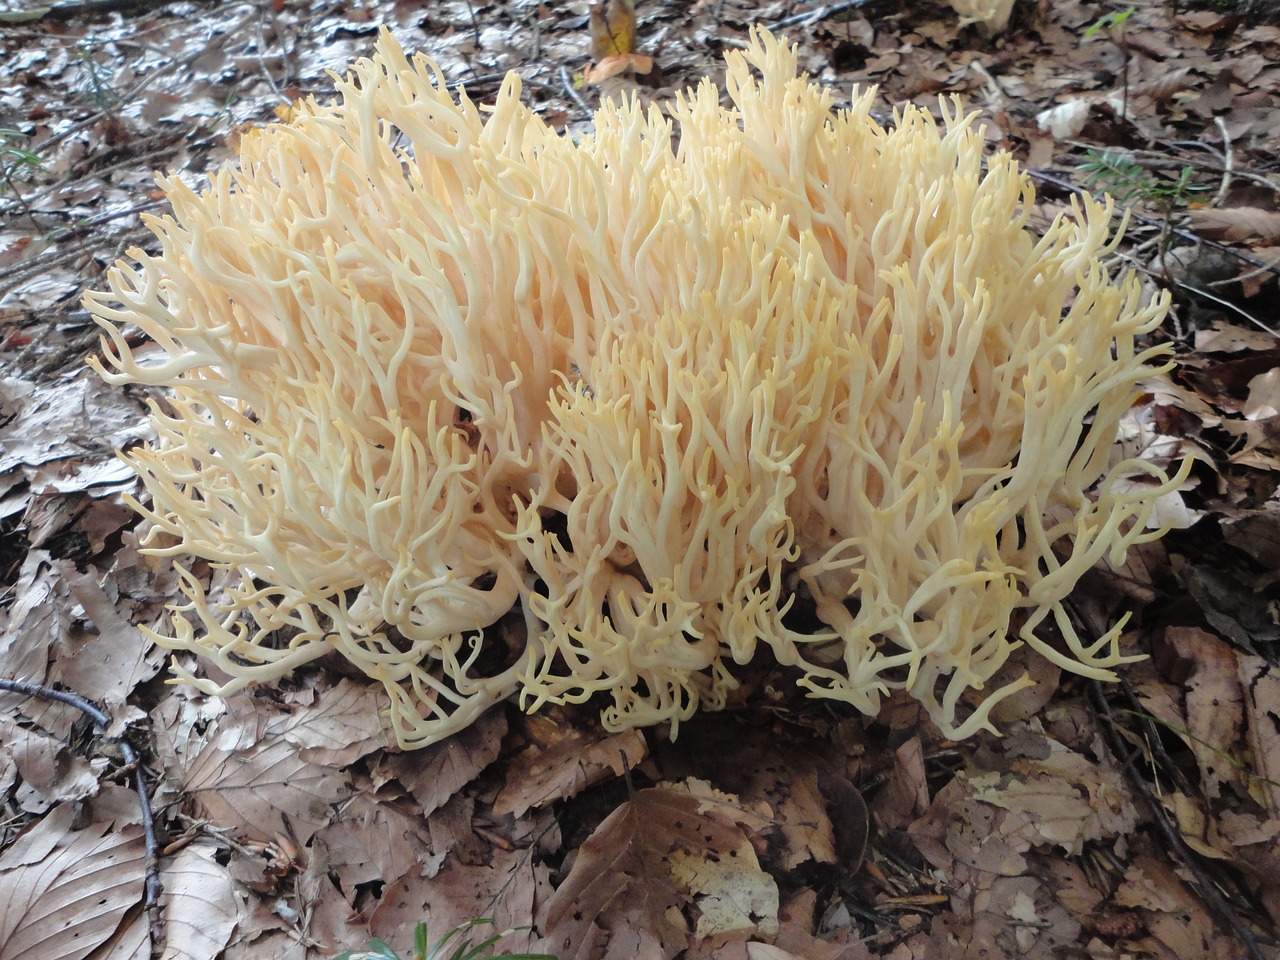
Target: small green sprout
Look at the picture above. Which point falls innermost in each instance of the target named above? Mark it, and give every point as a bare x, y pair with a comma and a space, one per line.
1117, 18
1116, 173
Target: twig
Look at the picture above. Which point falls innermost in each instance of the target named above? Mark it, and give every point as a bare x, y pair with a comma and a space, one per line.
569, 89
475, 24
1228, 164
1227, 304
79, 8
151, 885
814, 16
1268, 267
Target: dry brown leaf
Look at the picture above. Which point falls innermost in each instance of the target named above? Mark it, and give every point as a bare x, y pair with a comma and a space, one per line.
375, 841
562, 761
1263, 401
435, 773
1064, 799
815, 811
625, 876
905, 797
613, 28
51, 773
250, 775
1261, 684
611, 67
35, 617
105, 658
506, 889
1224, 337
734, 897
1237, 224
323, 914
63, 892
985, 824
198, 904
1174, 915
958, 831
73, 421
1214, 705
807, 828
339, 725
1165, 85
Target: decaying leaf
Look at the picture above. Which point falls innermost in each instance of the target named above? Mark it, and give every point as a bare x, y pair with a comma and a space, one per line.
733, 895
49, 771
437, 772
1063, 799
615, 65
1237, 223
613, 28
505, 889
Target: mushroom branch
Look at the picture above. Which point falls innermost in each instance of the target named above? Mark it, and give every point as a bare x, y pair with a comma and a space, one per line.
490, 411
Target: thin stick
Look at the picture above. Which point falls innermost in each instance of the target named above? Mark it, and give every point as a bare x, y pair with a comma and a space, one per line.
569, 89
814, 16
101, 720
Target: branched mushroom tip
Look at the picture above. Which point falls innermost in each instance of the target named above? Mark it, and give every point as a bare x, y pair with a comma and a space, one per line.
489, 411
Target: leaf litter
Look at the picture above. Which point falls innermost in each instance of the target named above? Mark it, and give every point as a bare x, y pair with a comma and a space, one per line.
1137, 821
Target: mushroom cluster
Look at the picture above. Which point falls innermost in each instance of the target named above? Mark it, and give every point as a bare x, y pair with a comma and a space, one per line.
488, 410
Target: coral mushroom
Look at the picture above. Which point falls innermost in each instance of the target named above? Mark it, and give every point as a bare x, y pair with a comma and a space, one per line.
991, 16
488, 410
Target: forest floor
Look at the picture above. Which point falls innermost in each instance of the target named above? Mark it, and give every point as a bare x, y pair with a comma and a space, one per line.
1139, 819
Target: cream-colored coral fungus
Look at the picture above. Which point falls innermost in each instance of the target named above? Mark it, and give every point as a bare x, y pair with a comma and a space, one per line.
488, 410
991, 16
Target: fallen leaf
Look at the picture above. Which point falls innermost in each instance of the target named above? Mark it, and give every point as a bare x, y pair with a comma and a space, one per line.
563, 761
198, 905
625, 876
613, 28
1236, 224
63, 892
250, 776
